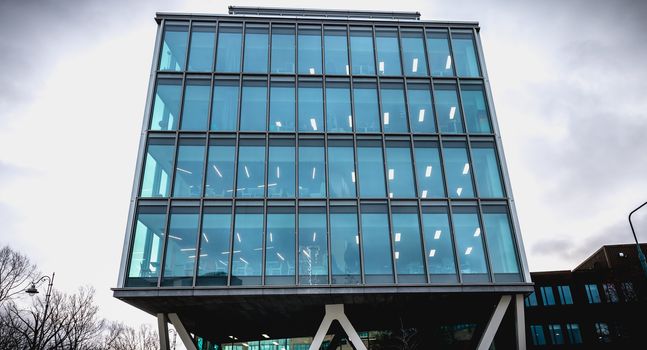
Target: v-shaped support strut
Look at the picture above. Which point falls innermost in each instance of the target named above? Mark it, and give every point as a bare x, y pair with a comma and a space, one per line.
336, 312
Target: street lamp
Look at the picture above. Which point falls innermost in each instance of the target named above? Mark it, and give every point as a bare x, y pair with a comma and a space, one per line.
641, 255
32, 290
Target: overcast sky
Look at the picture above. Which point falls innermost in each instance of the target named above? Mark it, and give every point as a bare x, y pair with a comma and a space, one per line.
569, 80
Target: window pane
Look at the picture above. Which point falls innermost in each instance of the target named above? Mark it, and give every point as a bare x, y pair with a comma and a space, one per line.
413, 51
592, 294
503, 256
603, 333
486, 169
228, 53
256, 42
565, 295
388, 52
336, 46
224, 112
370, 165
341, 169
173, 55
556, 335
338, 112
457, 170
361, 45
282, 49
156, 181
440, 252
476, 112
465, 55
254, 106
610, 293
537, 333
251, 169
180, 247
393, 108
467, 232
166, 107
147, 247
203, 39
344, 245
398, 161
189, 168
407, 245
248, 244
313, 246
309, 51
214, 246
547, 296
220, 169
428, 171
531, 300
367, 113
310, 107
574, 334
449, 115
376, 243
312, 175
282, 107
195, 112
281, 169
420, 109
279, 246
439, 56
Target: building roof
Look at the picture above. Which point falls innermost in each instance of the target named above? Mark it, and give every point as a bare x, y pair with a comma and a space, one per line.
283, 11
612, 256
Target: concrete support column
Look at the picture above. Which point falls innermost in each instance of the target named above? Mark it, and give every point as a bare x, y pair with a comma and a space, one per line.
336, 312
162, 330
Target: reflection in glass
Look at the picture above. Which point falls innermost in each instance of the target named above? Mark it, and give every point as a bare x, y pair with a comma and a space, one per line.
224, 110
220, 168
400, 173
281, 169
503, 257
457, 170
420, 108
310, 107
195, 111
413, 52
336, 50
282, 49
166, 107
189, 168
179, 260
147, 247
407, 245
341, 169
279, 246
313, 246
338, 111
254, 106
465, 54
486, 169
309, 41
173, 55
367, 113
440, 59
438, 241
251, 169
247, 259
376, 243
370, 165
476, 114
469, 244
388, 52
344, 245
361, 46
394, 110
256, 43
213, 267
158, 167
428, 170
282, 107
447, 109
312, 174
201, 54
230, 39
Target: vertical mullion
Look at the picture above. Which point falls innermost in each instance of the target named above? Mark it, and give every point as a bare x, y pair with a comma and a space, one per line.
168, 212
485, 242
263, 242
232, 228
420, 213
450, 45
198, 243
457, 260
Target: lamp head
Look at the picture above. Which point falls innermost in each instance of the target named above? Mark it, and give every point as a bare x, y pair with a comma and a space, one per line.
32, 290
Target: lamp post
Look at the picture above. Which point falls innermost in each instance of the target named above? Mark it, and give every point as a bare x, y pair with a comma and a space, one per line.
641, 255
32, 290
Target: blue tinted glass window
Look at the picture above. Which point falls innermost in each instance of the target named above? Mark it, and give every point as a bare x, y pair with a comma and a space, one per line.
547, 296
370, 164
407, 245
251, 169
312, 174
166, 107
230, 40
146, 251
420, 108
531, 300
592, 294
574, 333
254, 106
376, 244
361, 48
336, 50
428, 170
313, 246
476, 111
224, 110
341, 169
195, 111
388, 52
394, 110
256, 43
602, 332
503, 256
282, 107
339, 117
465, 54
344, 245
309, 43
447, 109
440, 59
310, 107
179, 260
247, 259
413, 52
367, 113
400, 170
281, 169
279, 246
486, 169
173, 55
203, 39
556, 334
537, 333
213, 267
469, 243
438, 241
220, 168
158, 167
565, 296
457, 170
189, 168
283, 49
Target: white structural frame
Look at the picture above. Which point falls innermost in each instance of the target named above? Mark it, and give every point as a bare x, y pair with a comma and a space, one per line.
336, 312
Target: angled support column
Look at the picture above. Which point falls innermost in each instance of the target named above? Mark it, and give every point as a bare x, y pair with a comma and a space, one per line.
520, 321
162, 330
336, 312
494, 323
186, 338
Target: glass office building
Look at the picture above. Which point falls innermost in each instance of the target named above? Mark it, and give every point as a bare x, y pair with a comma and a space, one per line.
295, 152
